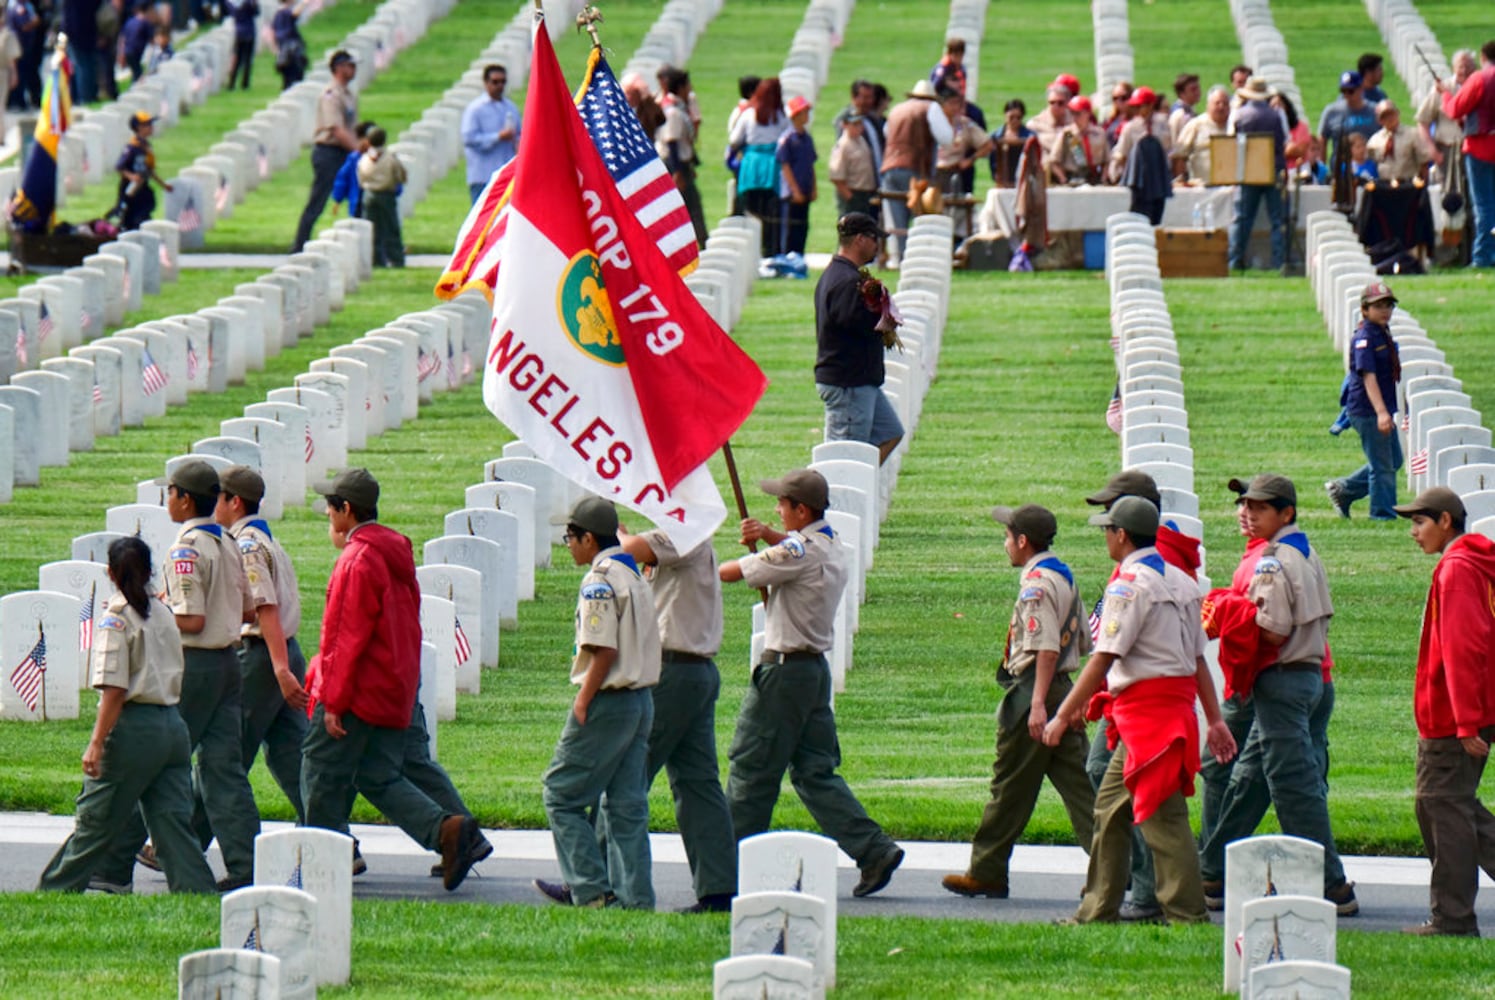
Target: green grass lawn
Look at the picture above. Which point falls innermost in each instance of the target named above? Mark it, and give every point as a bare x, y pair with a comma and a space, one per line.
129, 947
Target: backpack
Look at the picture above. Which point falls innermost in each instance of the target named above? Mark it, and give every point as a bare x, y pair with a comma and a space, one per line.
292, 54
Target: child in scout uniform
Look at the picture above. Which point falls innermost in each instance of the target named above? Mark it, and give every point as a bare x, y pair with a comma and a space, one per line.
1369, 398
1045, 639
381, 174
136, 167
139, 751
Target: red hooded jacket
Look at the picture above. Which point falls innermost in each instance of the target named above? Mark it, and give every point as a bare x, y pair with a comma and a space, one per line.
1455, 659
369, 663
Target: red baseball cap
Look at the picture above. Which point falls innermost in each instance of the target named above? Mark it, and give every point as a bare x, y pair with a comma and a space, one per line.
1078, 104
1141, 96
1069, 82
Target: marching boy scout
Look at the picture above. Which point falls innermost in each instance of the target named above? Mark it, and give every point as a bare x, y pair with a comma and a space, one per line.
603, 751
1291, 594
206, 591
1045, 640
682, 740
786, 719
274, 668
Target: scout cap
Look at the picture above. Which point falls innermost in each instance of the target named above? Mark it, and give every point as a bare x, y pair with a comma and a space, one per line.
1127, 483
1141, 96
797, 104
1134, 515
804, 486
141, 118
592, 513
242, 481
196, 477
1350, 80
1030, 519
1266, 486
339, 57
1377, 291
858, 224
357, 486
1432, 502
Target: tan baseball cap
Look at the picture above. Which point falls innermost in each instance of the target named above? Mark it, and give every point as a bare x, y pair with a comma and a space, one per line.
242, 481
1038, 523
804, 486
1265, 486
196, 477
1127, 483
1434, 501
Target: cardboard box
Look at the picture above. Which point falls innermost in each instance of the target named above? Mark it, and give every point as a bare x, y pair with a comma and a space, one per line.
1193, 253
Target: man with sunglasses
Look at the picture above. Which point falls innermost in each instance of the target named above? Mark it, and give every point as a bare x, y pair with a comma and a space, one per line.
490, 130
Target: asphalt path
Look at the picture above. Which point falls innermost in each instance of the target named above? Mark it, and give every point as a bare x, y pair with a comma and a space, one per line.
1046, 881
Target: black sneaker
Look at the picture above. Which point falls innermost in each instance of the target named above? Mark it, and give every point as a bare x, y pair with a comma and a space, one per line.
1343, 898
717, 902
556, 892
97, 884
1214, 895
1141, 912
877, 875
359, 865
1336, 498
229, 883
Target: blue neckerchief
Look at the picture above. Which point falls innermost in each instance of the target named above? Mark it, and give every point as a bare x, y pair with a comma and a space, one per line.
626, 560
1297, 540
212, 529
1155, 562
259, 523
825, 530
1053, 564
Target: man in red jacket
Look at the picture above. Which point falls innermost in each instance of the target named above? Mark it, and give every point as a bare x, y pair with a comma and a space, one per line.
366, 677
1455, 709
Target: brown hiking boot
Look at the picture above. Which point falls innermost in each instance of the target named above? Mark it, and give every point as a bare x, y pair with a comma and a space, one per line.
965, 885
458, 833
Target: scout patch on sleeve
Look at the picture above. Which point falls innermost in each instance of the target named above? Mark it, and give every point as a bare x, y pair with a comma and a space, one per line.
252, 574
1266, 565
1031, 594
1033, 625
184, 567
112, 622
248, 544
1122, 592
1362, 342
789, 548
1112, 627
599, 591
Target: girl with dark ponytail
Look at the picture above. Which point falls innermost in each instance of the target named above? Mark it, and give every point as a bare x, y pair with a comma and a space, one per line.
130, 569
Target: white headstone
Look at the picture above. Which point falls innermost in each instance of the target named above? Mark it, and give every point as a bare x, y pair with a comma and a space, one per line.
55, 411
151, 250
1300, 980
155, 370
25, 406
374, 363
89, 583
7, 454
792, 861
406, 372
277, 449
487, 558
426, 693
462, 586
324, 422
39, 638
153, 524
79, 374
299, 445
1265, 866
272, 312
279, 921
228, 974
131, 391
321, 863
107, 366
238, 329
753, 977
501, 527
1284, 929
550, 496
358, 406
438, 619
519, 500
256, 345
94, 546
784, 923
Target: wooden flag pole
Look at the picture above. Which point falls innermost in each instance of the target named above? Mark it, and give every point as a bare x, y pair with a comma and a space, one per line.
742, 510
41, 636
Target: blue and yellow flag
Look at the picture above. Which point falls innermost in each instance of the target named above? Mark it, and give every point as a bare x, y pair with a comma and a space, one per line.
34, 209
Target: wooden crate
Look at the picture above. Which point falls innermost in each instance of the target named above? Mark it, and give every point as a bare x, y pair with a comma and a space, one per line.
1193, 253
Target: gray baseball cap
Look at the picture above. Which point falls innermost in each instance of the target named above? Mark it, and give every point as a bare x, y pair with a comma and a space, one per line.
1134, 515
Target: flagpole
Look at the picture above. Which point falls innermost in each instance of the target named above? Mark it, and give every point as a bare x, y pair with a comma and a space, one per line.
41, 637
742, 510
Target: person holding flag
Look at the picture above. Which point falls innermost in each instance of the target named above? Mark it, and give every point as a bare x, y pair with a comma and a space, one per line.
140, 751
33, 209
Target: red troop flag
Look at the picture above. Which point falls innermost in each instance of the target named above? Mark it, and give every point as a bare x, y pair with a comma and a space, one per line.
600, 358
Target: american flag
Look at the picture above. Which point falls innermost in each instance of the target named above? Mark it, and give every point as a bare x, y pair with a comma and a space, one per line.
464, 648
262, 160
252, 942
453, 379
1419, 463
127, 282
1095, 614
382, 56
44, 323
427, 365
220, 200
631, 160
311, 449
1113, 410
85, 621
191, 362
98, 391
31, 673
1406, 422
295, 880
189, 220
21, 348
466, 363
85, 318
152, 378
165, 255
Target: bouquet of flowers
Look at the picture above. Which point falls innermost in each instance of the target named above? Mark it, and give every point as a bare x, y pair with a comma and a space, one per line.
876, 298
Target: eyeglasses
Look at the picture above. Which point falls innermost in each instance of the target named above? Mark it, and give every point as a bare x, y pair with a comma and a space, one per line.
1056, 102
572, 536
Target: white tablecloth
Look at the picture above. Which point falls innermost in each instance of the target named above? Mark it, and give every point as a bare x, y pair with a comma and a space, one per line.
1087, 208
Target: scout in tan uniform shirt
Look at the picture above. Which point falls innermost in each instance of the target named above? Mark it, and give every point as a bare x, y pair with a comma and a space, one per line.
139, 752
1045, 639
1293, 705
786, 720
332, 141
272, 664
604, 747
205, 590
682, 739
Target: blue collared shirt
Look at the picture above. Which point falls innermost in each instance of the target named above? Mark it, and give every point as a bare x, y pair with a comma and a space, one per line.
482, 121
